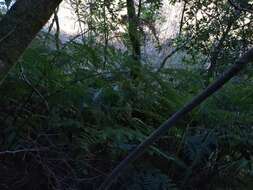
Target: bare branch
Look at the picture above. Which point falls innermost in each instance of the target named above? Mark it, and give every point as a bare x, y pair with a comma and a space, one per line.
33, 88
172, 53
13, 152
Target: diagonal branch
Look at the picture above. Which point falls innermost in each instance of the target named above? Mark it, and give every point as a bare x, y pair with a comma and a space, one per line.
158, 133
162, 65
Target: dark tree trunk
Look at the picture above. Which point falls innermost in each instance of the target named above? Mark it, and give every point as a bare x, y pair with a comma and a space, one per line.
18, 28
133, 30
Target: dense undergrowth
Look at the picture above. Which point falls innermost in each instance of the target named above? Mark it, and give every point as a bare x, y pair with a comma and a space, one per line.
72, 116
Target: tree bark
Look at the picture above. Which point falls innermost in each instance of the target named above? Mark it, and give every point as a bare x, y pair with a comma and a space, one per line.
133, 31
19, 27
158, 133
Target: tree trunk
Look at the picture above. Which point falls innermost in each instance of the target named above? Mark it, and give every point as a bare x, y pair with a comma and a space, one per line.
18, 28
133, 29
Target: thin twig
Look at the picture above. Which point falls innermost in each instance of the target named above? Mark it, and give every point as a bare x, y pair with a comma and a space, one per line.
33, 88
7, 35
172, 53
57, 32
13, 152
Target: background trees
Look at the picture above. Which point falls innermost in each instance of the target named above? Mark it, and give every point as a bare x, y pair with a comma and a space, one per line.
68, 115
219, 30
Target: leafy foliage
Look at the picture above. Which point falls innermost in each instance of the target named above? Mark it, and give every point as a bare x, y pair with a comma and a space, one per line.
85, 114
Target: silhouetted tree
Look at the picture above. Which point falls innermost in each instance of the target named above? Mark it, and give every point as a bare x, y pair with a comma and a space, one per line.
18, 28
